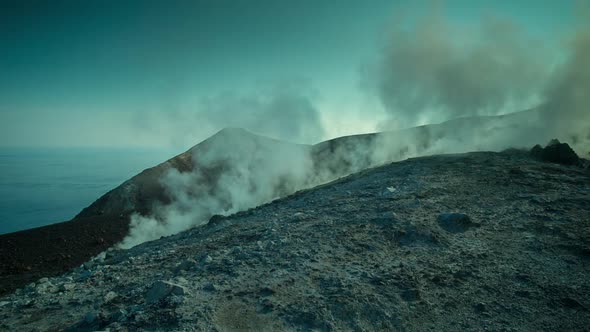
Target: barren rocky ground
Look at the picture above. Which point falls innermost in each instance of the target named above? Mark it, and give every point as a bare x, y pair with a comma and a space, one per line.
51, 250
469, 242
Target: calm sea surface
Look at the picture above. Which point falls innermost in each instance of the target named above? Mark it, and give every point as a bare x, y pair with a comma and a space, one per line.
43, 186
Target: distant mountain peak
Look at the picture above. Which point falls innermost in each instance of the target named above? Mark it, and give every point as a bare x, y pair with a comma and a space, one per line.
233, 134
234, 131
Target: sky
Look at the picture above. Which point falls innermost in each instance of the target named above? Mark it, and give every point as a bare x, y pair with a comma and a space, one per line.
171, 73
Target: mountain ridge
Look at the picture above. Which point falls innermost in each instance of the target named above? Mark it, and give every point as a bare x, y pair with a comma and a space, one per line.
463, 241
106, 222
340, 151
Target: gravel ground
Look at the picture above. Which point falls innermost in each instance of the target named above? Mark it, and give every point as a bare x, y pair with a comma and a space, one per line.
469, 242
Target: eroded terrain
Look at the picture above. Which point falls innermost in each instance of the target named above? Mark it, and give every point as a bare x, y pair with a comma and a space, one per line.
475, 241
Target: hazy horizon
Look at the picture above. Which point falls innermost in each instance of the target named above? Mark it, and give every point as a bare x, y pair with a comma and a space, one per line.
42, 186
150, 73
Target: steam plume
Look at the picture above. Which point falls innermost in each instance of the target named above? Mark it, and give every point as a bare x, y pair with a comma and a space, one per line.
429, 73
283, 111
234, 170
434, 71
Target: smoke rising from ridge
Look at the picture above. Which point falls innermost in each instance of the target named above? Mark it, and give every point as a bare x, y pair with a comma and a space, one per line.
283, 111
567, 111
433, 71
428, 73
233, 170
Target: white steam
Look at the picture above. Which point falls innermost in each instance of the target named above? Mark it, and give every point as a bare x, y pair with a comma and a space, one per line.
425, 74
234, 170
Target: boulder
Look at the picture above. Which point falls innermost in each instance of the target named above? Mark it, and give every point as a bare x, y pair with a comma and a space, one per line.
162, 289
556, 152
110, 296
186, 265
454, 222
66, 287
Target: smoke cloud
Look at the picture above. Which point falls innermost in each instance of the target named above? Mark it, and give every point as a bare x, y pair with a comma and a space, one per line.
567, 111
428, 73
283, 111
433, 71
234, 170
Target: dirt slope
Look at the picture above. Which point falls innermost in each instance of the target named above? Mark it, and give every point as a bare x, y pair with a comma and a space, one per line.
466, 242
31, 254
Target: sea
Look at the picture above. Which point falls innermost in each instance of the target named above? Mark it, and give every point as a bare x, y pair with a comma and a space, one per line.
41, 186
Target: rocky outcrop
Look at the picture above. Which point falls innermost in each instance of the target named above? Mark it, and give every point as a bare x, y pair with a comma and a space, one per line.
464, 242
556, 152
46, 251
329, 160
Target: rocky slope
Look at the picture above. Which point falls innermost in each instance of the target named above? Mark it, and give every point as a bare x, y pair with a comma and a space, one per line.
470, 242
28, 255
330, 159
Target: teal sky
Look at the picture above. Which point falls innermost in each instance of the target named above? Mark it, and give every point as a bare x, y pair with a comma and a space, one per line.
118, 73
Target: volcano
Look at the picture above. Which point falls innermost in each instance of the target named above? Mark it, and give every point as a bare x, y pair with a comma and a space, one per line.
470, 241
46, 251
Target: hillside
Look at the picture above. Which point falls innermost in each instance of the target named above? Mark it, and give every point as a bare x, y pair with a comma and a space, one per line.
328, 160
239, 170
451, 242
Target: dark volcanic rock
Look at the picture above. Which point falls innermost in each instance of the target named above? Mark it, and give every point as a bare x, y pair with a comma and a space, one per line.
29, 255
556, 152
454, 222
161, 289
525, 267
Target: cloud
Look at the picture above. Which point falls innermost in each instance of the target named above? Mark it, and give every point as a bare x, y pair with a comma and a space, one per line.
286, 112
433, 71
428, 73
233, 170
567, 111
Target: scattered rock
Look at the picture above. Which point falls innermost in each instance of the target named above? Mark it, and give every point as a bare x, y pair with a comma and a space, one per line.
352, 265
388, 192
299, 216
118, 316
385, 219
216, 219
90, 317
110, 296
66, 287
89, 265
525, 294
162, 289
46, 287
186, 265
30, 287
265, 306
84, 275
479, 307
308, 321
206, 259
136, 308
516, 171
571, 303
410, 295
266, 291
454, 222
209, 287
412, 237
